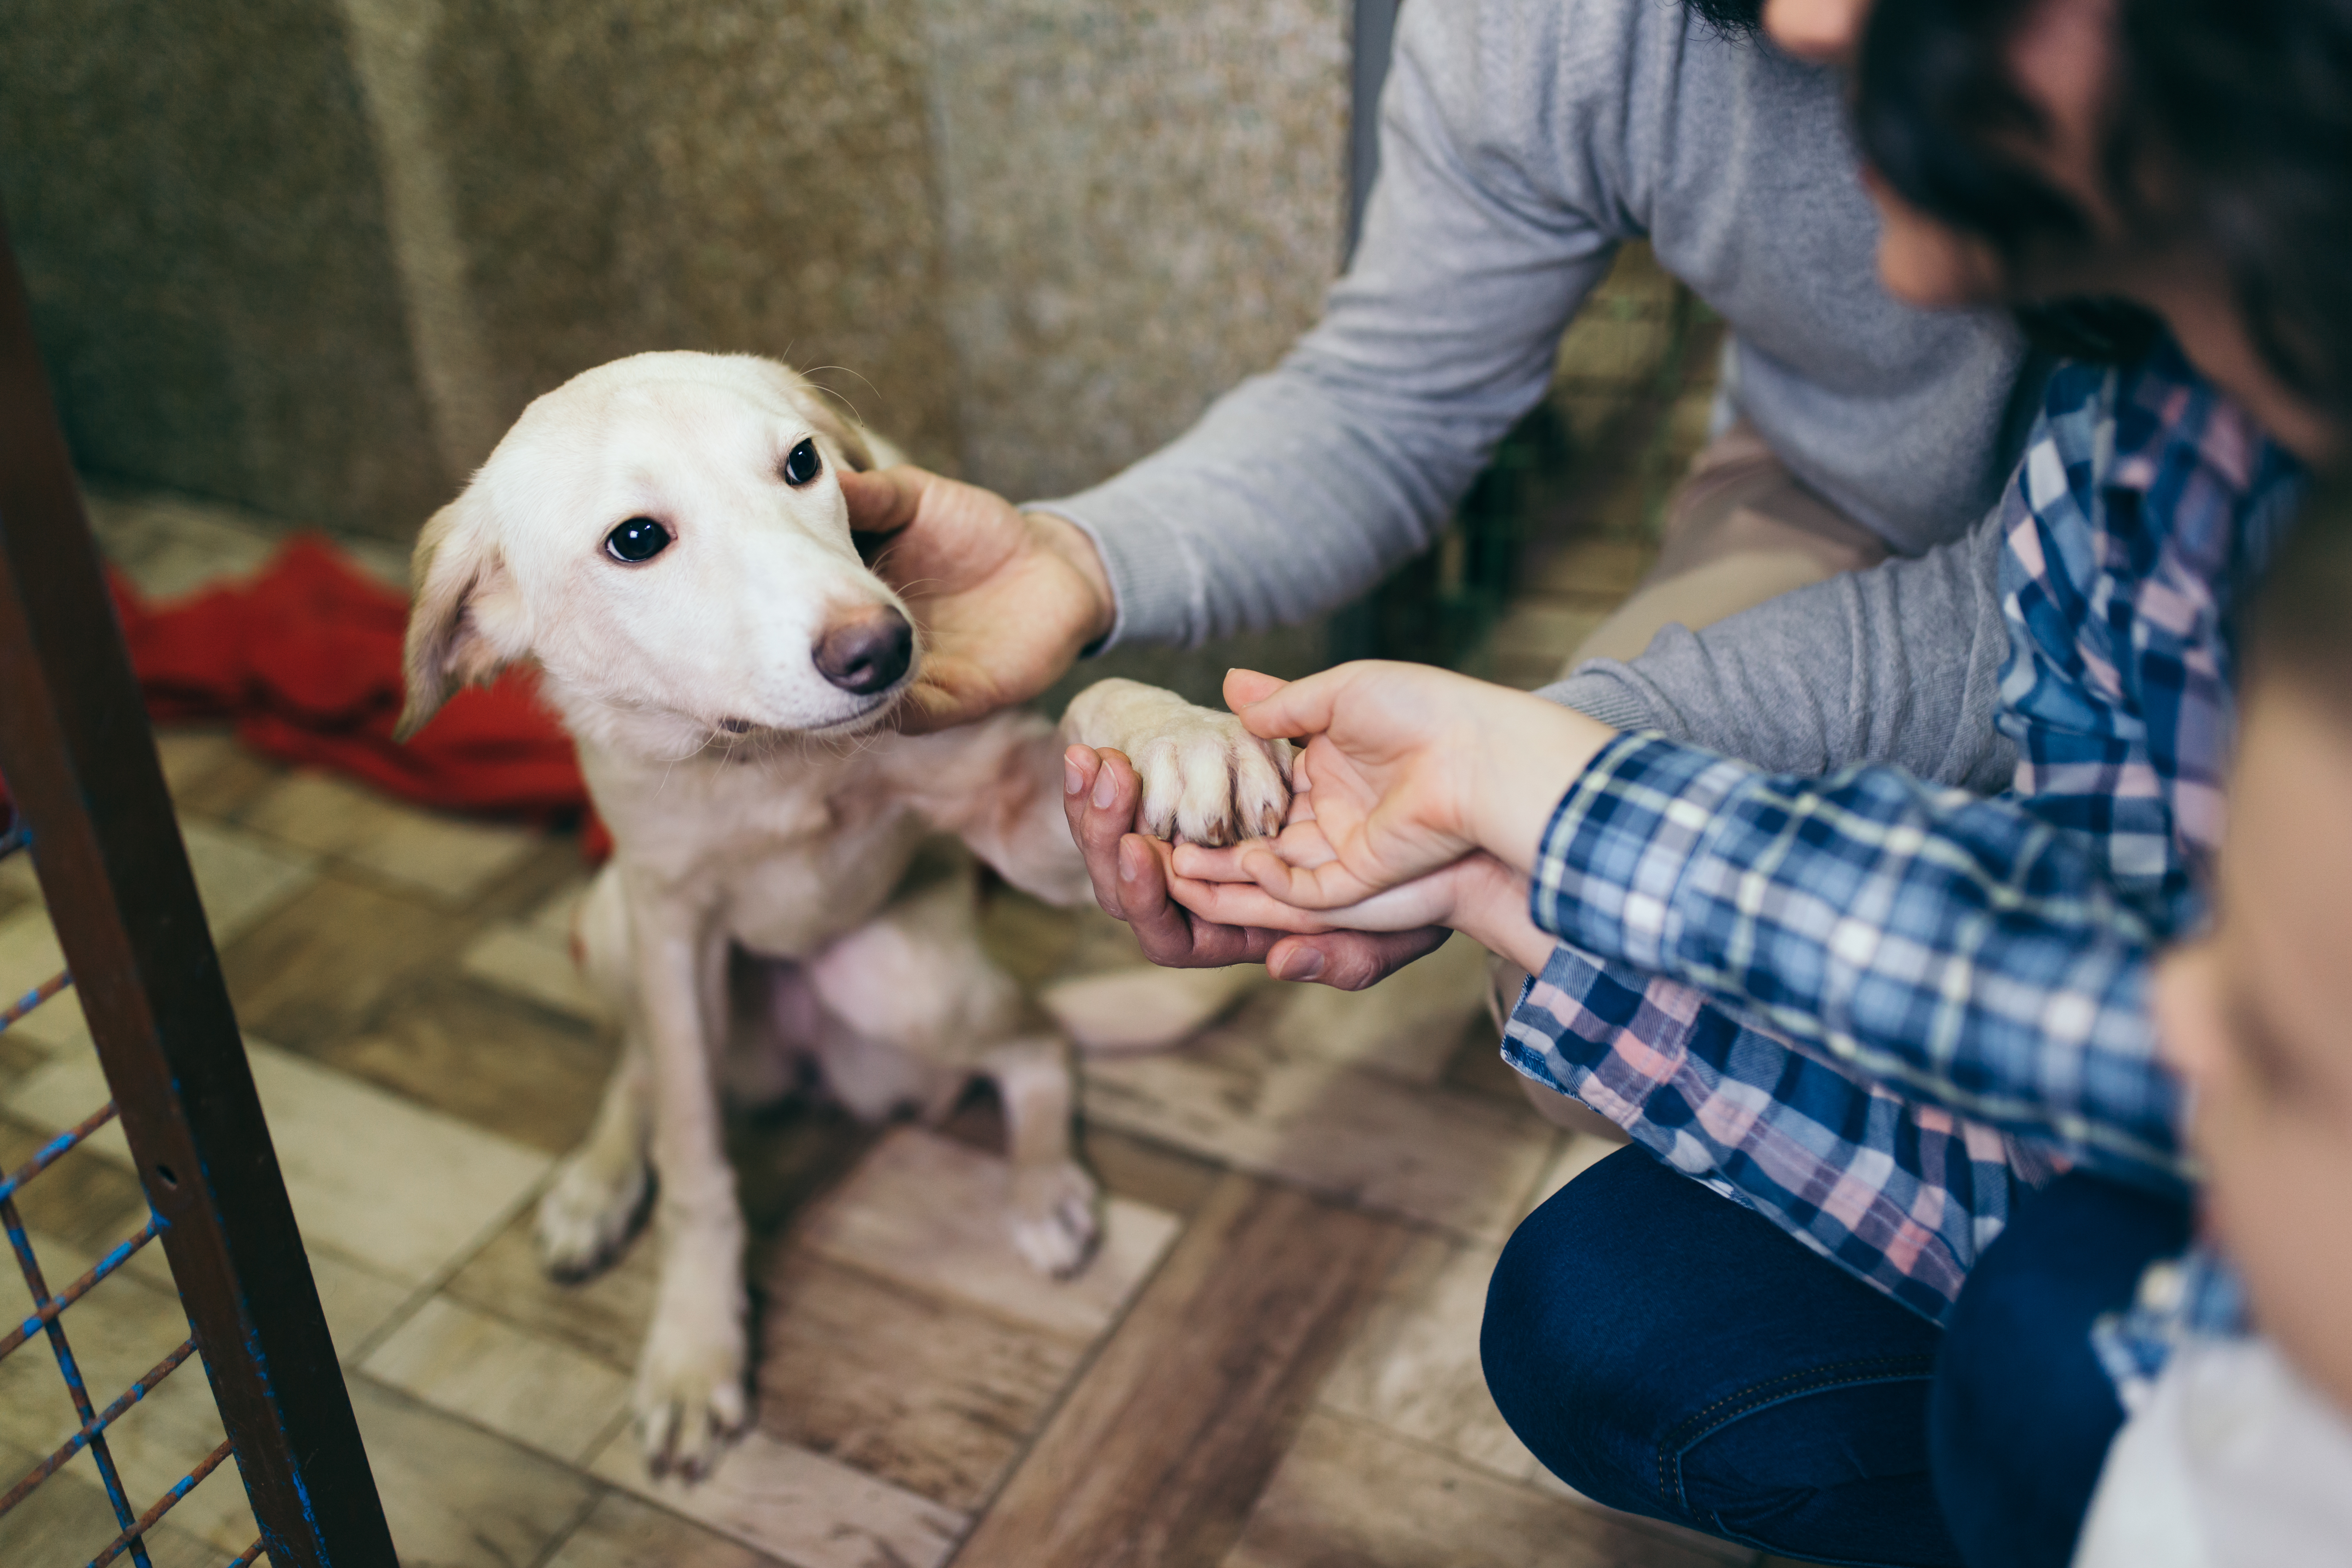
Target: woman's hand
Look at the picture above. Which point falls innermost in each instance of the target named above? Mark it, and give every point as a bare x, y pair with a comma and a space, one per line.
1406, 769
1476, 894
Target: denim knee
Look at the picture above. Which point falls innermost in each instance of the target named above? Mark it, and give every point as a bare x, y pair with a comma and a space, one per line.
2022, 1412
1667, 1352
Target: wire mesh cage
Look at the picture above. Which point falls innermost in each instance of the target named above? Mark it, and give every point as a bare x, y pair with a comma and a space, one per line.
87, 801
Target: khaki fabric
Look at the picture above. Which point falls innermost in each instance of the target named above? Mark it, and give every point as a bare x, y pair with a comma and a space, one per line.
1738, 529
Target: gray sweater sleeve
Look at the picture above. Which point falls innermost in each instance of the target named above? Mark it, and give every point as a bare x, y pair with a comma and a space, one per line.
1899, 665
1298, 489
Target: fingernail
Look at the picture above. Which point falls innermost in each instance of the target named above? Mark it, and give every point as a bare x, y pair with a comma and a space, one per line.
1306, 964
1106, 786
1072, 778
1126, 866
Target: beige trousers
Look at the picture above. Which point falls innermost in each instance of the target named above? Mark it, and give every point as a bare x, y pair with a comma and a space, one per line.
1738, 529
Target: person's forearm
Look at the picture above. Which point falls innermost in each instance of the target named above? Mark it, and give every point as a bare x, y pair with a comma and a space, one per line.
1525, 764
1856, 915
1900, 664
1300, 489
1492, 910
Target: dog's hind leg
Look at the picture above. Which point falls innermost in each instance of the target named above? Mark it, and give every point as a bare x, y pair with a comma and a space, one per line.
598, 1196
917, 981
1052, 1200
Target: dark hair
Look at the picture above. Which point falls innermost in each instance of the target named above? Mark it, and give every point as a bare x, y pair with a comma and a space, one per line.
2300, 623
1732, 18
2231, 125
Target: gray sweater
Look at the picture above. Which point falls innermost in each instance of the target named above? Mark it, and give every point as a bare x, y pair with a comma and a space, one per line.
1521, 140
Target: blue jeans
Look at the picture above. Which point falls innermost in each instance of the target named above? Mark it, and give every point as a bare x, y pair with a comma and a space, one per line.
1667, 1352
2022, 1412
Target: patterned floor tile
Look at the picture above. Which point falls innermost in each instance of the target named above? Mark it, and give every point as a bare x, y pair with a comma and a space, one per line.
370, 1175
1407, 1027
603, 1317
507, 1067
1156, 1457
1439, 1155
29, 955
320, 965
928, 1212
190, 755
169, 545
541, 1394
84, 1199
925, 1394
808, 1511
458, 1497
622, 1532
240, 877
119, 1331
357, 1301
68, 1521
1349, 1492
525, 961
448, 858
1414, 1366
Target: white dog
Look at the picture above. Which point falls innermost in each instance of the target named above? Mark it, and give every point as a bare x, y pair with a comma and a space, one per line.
665, 536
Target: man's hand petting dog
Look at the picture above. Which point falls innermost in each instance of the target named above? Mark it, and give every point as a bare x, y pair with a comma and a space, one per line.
1006, 599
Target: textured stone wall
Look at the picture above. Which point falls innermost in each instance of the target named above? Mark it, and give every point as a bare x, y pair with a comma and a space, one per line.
313, 256
193, 197
1145, 202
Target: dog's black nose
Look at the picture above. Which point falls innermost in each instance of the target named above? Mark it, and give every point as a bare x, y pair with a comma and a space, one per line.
867, 652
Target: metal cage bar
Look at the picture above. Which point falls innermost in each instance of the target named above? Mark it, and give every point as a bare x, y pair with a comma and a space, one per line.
81, 766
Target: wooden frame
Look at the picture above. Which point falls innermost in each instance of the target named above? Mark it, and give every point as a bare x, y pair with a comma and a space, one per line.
81, 764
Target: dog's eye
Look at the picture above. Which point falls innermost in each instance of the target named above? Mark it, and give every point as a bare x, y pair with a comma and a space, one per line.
802, 465
639, 538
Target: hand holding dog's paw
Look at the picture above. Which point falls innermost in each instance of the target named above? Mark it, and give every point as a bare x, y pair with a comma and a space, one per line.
1206, 779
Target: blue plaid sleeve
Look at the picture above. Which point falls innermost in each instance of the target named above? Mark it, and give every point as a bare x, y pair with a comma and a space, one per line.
1902, 1196
1954, 949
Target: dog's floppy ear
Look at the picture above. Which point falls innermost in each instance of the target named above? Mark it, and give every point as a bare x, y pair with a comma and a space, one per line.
823, 410
463, 597
847, 436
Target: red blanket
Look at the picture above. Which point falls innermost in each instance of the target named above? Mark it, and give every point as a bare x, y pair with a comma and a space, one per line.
304, 659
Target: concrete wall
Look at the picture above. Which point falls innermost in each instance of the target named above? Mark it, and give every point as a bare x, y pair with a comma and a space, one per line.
312, 255
195, 202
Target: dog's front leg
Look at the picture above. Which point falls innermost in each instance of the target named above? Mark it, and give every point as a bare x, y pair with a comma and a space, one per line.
1053, 1198
690, 1395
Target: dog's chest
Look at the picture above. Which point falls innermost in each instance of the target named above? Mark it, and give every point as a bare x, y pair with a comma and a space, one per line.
791, 903
784, 859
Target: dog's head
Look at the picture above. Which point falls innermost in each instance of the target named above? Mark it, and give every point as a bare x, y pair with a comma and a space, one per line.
666, 534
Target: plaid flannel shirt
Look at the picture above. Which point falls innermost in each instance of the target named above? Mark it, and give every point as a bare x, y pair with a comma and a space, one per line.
1869, 1008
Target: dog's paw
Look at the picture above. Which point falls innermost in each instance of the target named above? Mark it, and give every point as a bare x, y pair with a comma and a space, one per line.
688, 1401
1053, 1219
1206, 780
589, 1214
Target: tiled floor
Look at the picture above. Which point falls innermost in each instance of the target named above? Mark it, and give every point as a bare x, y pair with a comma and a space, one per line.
1271, 1363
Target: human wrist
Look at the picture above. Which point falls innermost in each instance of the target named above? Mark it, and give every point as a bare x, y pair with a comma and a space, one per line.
1530, 761
1076, 549
1491, 909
